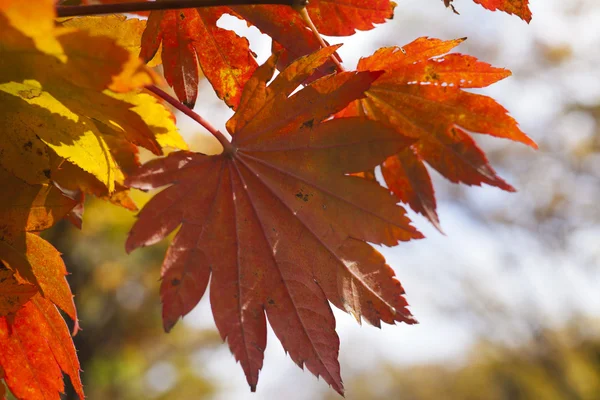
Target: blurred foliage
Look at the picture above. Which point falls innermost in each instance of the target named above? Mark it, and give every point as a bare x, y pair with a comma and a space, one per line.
555, 365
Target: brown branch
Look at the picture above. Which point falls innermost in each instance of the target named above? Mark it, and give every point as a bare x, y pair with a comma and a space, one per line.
117, 8
227, 146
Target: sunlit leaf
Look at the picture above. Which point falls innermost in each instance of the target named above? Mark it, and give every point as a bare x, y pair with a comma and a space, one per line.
35, 350
30, 208
421, 95
37, 262
12, 293
519, 8
277, 224
191, 37
65, 103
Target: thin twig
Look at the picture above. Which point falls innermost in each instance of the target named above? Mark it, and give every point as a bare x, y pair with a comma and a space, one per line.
227, 146
306, 18
117, 8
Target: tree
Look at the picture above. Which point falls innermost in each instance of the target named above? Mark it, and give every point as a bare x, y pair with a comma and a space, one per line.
280, 222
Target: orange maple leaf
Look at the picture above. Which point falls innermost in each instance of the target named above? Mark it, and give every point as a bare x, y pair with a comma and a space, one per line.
12, 293
34, 208
30, 208
519, 8
37, 262
278, 223
191, 36
35, 348
421, 96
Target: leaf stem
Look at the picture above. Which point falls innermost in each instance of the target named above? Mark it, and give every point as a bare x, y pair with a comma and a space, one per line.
116, 8
306, 18
227, 146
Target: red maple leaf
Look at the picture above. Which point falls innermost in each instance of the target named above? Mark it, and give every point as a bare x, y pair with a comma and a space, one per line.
191, 36
421, 96
276, 222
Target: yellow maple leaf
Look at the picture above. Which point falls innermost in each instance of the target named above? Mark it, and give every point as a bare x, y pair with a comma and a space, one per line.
35, 22
62, 98
126, 31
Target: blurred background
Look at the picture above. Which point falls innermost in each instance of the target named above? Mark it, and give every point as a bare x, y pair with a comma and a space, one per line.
508, 301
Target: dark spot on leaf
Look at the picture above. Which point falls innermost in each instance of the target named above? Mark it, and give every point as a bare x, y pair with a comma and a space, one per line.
47, 173
299, 195
271, 301
175, 282
30, 93
28, 145
309, 124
